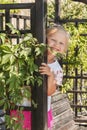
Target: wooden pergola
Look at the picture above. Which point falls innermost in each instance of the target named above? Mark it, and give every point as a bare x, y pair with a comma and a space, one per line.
38, 28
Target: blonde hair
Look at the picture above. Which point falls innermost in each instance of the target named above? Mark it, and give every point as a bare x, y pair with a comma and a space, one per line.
55, 28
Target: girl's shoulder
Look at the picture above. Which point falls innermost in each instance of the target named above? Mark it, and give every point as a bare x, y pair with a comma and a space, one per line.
55, 65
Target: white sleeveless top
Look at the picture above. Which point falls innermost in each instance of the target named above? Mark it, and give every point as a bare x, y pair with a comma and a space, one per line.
58, 73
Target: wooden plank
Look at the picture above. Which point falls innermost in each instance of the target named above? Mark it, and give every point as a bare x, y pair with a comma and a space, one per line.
63, 107
65, 127
57, 104
63, 122
76, 91
78, 106
82, 119
82, 128
74, 127
63, 116
58, 96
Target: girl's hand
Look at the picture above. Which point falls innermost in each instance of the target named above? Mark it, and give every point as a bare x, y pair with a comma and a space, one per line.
45, 69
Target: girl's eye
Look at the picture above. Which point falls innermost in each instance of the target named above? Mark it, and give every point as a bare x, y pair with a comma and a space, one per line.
53, 40
61, 43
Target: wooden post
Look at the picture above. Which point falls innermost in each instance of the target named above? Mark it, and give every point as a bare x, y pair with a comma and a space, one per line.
57, 11
39, 115
7, 19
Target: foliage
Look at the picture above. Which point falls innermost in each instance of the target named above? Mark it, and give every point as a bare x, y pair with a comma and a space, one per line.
75, 59
6, 1
18, 69
51, 10
77, 52
70, 9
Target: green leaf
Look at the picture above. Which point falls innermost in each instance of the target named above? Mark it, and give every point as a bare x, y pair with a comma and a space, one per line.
6, 48
12, 59
3, 37
5, 58
14, 81
14, 30
2, 102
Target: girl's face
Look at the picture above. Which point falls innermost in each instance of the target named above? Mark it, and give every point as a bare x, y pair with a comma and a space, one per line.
57, 43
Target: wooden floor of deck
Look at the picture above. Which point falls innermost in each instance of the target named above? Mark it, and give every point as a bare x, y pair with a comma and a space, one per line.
63, 116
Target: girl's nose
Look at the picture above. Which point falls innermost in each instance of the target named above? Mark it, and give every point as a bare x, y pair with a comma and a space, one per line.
57, 46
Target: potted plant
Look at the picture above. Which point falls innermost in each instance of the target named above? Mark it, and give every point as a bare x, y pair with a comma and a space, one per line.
18, 69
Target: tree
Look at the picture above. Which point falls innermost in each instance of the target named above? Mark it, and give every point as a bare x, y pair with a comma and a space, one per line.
18, 72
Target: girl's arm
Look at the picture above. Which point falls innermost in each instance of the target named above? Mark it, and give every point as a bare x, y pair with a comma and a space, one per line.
45, 69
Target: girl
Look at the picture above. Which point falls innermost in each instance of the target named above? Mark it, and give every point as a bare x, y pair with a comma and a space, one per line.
57, 41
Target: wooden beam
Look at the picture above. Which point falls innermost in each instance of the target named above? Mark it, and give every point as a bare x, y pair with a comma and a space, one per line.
83, 1
39, 115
